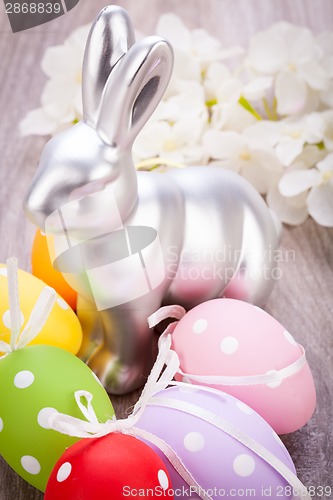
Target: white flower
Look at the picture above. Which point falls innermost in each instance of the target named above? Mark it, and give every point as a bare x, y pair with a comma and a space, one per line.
213, 110
188, 103
293, 210
289, 136
194, 49
196, 43
223, 92
317, 185
61, 98
252, 159
178, 142
293, 56
231, 117
220, 85
327, 117
325, 41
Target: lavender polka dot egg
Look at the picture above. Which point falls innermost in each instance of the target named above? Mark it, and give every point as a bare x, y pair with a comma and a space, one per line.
231, 338
220, 464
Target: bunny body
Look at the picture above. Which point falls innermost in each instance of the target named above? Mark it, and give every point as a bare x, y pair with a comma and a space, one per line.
130, 242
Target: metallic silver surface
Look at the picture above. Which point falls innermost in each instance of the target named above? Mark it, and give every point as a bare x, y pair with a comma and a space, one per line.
130, 242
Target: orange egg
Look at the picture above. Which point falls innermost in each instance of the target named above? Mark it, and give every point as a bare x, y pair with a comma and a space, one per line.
42, 268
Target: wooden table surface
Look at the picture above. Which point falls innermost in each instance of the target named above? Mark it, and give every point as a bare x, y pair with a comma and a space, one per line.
302, 299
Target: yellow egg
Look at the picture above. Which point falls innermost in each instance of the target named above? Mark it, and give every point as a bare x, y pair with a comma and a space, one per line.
42, 268
62, 328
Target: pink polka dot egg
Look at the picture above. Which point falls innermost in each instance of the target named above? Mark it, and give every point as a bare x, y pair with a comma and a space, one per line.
242, 350
190, 420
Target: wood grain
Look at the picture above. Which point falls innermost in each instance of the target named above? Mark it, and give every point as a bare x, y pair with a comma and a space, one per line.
302, 298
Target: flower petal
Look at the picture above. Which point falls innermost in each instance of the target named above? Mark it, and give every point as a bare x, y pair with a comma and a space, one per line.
57, 98
172, 28
288, 150
320, 204
63, 62
150, 140
285, 210
260, 178
38, 122
222, 145
327, 96
268, 52
229, 91
325, 41
290, 93
236, 118
314, 75
297, 181
326, 164
302, 44
257, 88
203, 43
265, 130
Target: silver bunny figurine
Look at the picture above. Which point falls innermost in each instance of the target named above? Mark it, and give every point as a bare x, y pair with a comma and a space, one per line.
129, 241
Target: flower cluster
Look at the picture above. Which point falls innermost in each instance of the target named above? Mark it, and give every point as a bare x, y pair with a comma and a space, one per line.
265, 112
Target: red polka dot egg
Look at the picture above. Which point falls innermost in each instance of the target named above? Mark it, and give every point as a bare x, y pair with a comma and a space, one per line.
239, 345
115, 466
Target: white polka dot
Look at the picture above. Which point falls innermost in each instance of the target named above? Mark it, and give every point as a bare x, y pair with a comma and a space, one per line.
199, 325
229, 345
3, 271
194, 441
277, 439
30, 464
96, 378
64, 472
23, 379
289, 337
62, 303
275, 384
1, 424
244, 465
163, 479
6, 319
44, 415
244, 408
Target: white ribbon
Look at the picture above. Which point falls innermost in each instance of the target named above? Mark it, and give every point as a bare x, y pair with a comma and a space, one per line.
156, 382
38, 316
91, 428
233, 431
272, 377
166, 312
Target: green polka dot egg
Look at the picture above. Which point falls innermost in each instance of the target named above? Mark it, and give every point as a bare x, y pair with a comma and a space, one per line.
35, 382
62, 328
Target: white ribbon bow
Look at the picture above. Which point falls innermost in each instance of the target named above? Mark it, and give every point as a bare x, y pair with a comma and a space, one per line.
38, 316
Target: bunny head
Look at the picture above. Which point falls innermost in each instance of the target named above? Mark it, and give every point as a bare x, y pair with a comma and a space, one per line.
88, 169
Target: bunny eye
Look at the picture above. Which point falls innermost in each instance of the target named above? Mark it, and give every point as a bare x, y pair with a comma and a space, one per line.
142, 101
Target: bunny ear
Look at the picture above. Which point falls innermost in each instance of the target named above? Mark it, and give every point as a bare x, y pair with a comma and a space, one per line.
109, 39
134, 89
